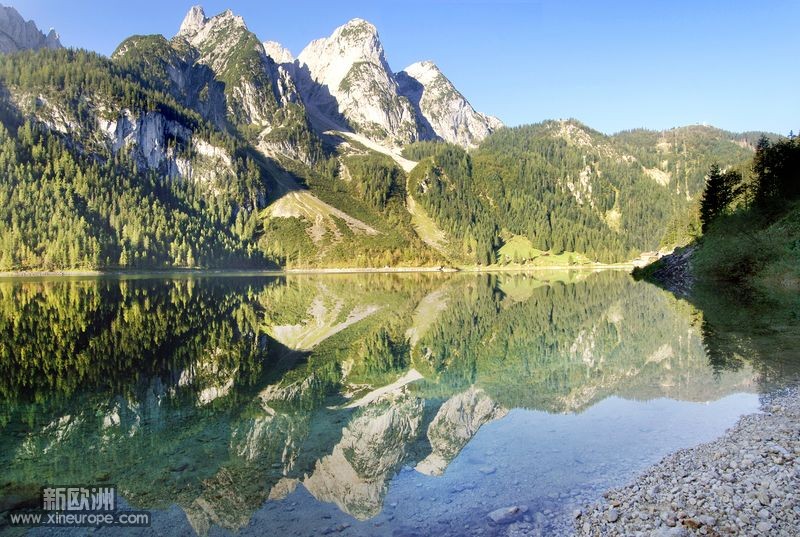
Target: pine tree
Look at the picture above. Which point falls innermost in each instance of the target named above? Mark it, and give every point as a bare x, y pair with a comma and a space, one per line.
716, 196
123, 257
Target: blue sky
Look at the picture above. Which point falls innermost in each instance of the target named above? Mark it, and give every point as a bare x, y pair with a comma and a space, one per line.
611, 64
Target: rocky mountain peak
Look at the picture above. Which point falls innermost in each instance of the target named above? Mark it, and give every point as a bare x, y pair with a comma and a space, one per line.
194, 20
442, 108
18, 34
198, 28
346, 75
359, 39
425, 71
330, 59
356, 30
358, 22
53, 40
343, 81
278, 52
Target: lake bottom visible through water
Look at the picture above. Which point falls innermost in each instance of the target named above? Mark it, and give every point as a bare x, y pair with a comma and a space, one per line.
355, 405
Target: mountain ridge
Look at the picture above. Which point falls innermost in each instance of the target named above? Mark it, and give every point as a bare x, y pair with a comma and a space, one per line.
330, 159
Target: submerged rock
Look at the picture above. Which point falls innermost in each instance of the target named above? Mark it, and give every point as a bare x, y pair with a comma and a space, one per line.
507, 515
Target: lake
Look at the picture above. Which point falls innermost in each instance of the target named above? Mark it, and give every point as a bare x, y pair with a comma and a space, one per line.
372, 404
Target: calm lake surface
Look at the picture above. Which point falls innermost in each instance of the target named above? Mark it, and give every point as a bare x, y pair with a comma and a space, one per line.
375, 404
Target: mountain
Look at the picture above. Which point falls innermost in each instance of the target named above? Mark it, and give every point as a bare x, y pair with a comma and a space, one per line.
559, 187
346, 77
445, 110
347, 74
133, 179
218, 67
220, 149
237, 58
17, 34
278, 52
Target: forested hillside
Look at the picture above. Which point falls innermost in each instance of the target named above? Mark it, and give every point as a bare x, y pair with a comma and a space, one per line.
751, 221
68, 200
567, 188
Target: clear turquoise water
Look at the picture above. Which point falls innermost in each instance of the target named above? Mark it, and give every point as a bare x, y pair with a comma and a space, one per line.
360, 404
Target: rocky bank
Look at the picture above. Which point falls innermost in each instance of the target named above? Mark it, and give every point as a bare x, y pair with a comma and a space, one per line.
672, 272
745, 483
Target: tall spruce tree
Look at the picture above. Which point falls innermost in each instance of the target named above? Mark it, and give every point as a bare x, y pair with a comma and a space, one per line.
717, 194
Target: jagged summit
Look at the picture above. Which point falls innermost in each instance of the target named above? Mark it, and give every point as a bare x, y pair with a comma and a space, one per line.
330, 58
197, 27
346, 75
445, 110
53, 40
17, 34
220, 68
343, 81
356, 29
278, 52
425, 69
194, 20
346, 82
359, 22
356, 40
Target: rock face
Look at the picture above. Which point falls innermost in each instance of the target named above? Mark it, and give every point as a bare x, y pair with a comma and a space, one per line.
278, 52
443, 109
146, 137
347, 74
193, 22
193, 84
152, 140
255, 86
17, 34
216, 66
345, 77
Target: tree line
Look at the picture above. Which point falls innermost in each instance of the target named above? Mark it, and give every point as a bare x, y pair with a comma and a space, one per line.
771, 179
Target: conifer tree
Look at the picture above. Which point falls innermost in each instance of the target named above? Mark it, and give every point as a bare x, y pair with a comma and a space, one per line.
716, 195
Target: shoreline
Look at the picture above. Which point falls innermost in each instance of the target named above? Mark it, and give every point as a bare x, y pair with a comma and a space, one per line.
322, 270
742, 483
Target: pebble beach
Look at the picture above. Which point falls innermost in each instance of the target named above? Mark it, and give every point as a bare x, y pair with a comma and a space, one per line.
744, 483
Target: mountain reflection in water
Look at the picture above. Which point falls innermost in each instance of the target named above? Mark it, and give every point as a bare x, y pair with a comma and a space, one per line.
238, 398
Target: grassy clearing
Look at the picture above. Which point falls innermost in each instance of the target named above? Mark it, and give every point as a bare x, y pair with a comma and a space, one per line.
518, 250
427, 230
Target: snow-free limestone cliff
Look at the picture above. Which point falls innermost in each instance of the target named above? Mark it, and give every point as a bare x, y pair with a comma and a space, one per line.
17, 34
347, 74
444, 109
